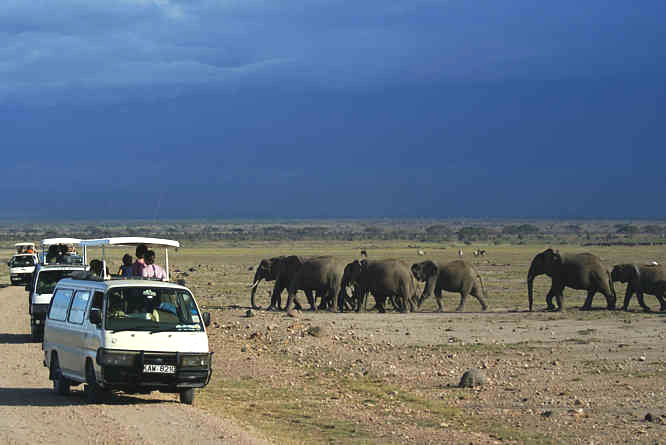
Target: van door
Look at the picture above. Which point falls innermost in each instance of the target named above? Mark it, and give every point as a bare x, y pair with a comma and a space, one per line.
55, 333
93, 338
77, 333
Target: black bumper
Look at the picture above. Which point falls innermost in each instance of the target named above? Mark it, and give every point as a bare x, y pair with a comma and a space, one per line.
133, 379
20, 277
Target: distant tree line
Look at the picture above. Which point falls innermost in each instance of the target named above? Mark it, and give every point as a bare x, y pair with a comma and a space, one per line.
561, 233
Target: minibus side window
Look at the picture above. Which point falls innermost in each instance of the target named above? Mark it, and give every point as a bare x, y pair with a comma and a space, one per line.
60, 304
79, 305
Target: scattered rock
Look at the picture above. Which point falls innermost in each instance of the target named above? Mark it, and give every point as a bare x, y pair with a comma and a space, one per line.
192, 269
642, 358
243, 348
293, 313
249, 313
546, 414
250, 268
649, 417
316, 331
472, 378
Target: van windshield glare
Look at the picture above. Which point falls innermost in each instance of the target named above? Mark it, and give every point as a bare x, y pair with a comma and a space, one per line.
155, 309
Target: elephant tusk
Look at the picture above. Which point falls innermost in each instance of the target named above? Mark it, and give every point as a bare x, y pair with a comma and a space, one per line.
253, 285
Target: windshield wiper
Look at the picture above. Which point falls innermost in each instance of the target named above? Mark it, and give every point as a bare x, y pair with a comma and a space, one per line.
126, 329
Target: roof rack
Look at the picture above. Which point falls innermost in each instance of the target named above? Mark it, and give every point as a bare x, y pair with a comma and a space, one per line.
120, 241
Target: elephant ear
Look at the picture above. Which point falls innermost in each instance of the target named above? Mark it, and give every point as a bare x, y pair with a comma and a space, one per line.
430, 269
557, 257
293, 261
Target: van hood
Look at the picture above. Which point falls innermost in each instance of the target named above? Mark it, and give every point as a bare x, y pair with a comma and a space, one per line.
157, 342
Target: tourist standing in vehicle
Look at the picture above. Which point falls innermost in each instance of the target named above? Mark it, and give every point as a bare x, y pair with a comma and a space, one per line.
139, 264
152, 270
126, 269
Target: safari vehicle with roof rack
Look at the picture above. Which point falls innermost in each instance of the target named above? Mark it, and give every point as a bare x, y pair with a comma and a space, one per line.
134, 335
22, 263
46, 275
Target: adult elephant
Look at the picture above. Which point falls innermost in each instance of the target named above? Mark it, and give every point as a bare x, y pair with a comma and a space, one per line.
281, 269
582, 271
323, 275
384, 279
456, 276
644, 279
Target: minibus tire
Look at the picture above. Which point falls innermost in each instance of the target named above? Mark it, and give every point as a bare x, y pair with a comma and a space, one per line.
92, 388
60, 383
187, 396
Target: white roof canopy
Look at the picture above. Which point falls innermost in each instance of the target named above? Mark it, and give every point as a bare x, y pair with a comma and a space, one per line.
24, 244
51, 241
129, 241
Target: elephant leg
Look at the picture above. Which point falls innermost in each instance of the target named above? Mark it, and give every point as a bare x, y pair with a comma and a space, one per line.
659, 293
477, 294
641, 301
463, 295
627, 297
588, 301
438, 300
311, 299
380, 301
549, 300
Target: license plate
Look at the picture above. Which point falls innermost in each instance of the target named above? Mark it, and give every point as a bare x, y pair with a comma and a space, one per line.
161, 369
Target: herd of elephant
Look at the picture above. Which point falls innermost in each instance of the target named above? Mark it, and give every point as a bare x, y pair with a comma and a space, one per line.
327, 278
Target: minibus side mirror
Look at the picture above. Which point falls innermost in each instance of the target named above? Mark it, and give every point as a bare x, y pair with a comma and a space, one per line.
28, 287
95, 316
206, 318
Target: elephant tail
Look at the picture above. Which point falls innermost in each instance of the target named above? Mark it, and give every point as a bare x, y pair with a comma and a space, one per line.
483, 287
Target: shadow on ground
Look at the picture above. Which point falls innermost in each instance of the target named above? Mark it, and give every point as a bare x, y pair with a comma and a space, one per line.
7, 339
46, 397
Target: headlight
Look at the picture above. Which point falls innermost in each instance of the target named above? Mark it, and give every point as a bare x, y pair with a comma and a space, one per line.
107, 357
195, 361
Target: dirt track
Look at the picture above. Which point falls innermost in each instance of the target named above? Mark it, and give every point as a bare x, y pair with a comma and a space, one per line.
31, 413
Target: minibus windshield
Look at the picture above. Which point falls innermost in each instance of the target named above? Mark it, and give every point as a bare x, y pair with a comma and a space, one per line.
22, 261
154, 309
47, 279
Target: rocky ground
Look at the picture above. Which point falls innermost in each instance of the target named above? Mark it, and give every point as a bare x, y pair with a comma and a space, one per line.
545, 378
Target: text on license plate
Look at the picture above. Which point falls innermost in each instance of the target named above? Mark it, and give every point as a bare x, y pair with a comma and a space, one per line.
162, 369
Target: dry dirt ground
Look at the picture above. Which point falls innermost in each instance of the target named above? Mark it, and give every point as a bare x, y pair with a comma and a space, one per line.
31, 413
572, 377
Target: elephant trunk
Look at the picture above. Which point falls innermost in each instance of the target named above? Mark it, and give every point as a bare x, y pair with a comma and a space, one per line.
613, 302
531, 275
255, 285
428, 289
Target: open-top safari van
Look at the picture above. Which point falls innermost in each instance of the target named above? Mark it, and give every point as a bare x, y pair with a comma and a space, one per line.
46, 275
22, 263
132, 334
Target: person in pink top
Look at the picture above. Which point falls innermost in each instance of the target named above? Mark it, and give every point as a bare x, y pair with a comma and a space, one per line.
152, 270
139, 264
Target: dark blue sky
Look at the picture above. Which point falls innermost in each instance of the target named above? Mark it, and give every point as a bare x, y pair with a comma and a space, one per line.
421, 108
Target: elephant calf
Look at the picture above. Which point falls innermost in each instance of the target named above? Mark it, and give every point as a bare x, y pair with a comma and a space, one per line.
456, 276
577, 271
385, 279
644, 279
